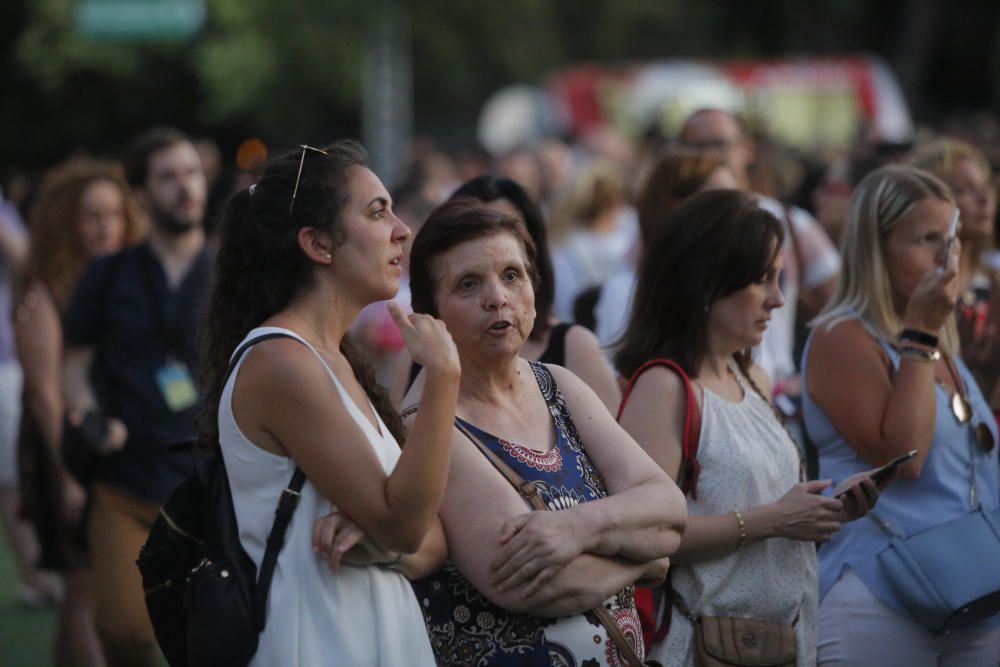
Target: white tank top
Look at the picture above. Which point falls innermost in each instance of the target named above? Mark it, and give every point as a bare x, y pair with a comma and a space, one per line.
747, 459
359, 616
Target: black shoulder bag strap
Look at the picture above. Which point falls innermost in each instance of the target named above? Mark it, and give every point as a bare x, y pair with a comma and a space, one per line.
287, 504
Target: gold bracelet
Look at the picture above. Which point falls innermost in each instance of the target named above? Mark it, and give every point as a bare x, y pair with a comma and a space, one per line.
919, 354
743, 529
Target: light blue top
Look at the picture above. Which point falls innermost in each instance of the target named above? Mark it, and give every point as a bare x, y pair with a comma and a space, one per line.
940, 494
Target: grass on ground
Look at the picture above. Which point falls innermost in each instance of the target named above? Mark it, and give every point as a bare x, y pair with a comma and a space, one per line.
25, 634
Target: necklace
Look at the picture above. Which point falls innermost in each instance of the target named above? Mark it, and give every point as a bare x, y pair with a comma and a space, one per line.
961, 407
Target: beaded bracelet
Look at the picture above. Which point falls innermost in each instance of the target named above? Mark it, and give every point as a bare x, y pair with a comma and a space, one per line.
743, 529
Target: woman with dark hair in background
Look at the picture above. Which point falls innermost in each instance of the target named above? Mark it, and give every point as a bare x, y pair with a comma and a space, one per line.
522, 587
550, 341
83, 210
674, 176
301, 253
707, 286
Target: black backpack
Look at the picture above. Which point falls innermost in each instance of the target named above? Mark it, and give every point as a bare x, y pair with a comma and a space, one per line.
205, 600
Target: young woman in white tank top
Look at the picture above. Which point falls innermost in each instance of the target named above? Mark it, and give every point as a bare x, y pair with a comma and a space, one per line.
301, 252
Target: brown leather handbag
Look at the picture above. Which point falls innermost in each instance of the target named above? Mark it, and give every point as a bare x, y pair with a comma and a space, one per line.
727, 641
724, 641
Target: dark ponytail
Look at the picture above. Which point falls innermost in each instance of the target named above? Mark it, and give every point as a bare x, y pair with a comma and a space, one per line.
260, 267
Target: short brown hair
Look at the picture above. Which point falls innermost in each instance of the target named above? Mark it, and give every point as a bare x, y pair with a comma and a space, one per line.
152, 141
455, 222
676, 175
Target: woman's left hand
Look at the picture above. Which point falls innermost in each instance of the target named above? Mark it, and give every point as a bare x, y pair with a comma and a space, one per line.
533, 547
858, 493
337, 540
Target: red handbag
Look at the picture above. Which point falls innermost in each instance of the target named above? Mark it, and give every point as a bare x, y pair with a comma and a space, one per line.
654, 629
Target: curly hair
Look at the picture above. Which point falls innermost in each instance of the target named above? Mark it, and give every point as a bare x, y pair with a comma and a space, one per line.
260, 268
57, 257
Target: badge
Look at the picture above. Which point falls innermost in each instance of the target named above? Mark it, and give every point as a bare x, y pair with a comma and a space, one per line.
176, 386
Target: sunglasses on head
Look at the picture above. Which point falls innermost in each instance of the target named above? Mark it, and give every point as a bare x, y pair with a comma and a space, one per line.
298, 176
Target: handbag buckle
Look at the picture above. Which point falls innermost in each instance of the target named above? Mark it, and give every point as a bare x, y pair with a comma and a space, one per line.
750, 640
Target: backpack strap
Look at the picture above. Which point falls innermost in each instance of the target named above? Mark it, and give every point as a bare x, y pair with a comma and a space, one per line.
687, 476
287, 504
529, 491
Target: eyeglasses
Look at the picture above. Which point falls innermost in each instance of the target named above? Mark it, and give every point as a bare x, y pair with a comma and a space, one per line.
298, 176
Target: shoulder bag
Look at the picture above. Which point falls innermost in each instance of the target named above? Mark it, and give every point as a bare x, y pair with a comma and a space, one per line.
948, 576
206, 600
718, 640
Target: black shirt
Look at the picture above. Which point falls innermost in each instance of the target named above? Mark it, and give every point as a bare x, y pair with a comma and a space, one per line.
125, 310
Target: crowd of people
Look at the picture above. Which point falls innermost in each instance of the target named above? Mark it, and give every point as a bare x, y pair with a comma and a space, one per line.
582, 404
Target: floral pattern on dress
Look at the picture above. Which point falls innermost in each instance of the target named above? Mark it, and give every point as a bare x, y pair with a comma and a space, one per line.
549, 461
467, 630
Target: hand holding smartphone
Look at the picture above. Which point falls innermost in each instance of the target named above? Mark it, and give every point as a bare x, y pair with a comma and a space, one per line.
886, 470
949, 241
93, 430
889, 467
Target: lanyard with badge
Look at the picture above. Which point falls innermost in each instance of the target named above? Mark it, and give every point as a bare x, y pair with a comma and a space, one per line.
173, 378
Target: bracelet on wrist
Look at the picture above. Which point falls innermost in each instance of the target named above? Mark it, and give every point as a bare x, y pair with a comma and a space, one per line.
920, 337
743, 529
919, 354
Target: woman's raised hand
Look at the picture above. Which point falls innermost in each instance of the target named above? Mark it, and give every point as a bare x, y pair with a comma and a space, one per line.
428, 341
803, 514
933, 299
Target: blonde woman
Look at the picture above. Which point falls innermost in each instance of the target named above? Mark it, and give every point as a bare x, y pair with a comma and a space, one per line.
604, 232
967, 173
882, 378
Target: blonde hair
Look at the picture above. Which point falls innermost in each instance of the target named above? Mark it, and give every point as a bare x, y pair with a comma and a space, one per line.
939, 157
880, 201
598, 188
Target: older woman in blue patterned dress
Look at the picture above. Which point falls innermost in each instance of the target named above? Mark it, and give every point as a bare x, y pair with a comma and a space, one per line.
518, 584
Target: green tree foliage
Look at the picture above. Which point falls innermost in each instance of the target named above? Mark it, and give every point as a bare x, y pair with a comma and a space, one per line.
291, 71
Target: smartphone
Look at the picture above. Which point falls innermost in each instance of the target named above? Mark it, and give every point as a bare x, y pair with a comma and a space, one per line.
885, 470
949, 240
93, 430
